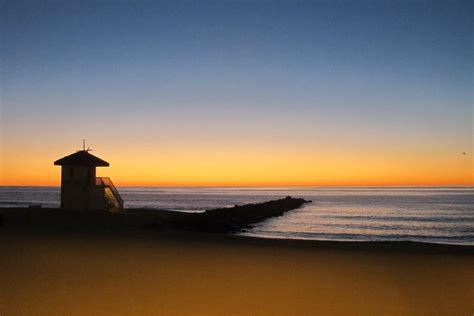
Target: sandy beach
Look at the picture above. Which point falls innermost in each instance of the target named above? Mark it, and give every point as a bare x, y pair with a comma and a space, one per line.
152, 273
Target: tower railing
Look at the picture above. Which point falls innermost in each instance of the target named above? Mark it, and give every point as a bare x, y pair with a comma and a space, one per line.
106, 182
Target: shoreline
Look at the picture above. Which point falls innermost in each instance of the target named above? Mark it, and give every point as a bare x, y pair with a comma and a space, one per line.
141, 223
232, 239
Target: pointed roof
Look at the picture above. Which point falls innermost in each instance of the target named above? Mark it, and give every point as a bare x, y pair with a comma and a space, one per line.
81, 158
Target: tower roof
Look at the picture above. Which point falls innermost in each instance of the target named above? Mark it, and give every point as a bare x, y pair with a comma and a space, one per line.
81, 158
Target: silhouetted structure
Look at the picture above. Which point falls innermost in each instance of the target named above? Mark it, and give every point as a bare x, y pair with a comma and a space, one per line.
225, 220
81, 190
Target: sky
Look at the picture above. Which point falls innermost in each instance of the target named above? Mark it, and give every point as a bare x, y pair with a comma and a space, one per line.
239, 93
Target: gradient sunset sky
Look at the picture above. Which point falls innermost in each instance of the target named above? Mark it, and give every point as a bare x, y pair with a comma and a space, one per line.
242, 93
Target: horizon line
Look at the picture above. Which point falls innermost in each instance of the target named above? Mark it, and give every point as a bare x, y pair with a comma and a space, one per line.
273, 186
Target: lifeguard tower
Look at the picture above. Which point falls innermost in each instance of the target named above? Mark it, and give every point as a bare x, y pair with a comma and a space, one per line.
81, 189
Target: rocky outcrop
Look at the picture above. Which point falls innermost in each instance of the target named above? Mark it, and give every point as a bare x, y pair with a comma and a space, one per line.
228, 220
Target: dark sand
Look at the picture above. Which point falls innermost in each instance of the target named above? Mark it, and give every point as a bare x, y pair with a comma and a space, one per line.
157, 273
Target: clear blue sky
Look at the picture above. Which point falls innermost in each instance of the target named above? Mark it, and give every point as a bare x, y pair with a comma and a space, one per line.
345, 73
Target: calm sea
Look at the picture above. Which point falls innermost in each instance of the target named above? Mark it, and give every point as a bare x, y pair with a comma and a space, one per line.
439, 215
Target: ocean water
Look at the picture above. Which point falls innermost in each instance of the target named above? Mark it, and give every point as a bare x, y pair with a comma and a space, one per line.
431, 214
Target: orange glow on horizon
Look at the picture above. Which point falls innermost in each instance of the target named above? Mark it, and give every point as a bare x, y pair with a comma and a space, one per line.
241, 167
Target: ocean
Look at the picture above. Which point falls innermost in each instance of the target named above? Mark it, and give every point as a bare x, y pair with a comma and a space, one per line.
424, 214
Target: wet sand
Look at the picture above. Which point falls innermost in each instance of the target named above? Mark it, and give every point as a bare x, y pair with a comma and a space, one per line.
157, 273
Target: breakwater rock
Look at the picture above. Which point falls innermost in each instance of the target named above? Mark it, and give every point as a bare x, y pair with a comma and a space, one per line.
228, 220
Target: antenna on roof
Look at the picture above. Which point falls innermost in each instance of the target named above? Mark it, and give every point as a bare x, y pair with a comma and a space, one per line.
84, 146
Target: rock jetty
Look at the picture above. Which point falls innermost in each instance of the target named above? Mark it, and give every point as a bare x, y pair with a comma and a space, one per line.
229, 220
